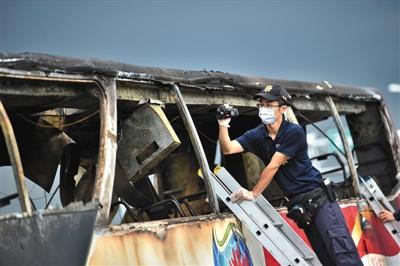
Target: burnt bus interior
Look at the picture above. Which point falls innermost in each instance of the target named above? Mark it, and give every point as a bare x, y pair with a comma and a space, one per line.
156, 175
54, 133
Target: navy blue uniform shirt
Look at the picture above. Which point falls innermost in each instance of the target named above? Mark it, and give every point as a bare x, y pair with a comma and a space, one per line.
297, 175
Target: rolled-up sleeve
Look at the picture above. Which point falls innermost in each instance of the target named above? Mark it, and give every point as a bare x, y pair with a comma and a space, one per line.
247, 140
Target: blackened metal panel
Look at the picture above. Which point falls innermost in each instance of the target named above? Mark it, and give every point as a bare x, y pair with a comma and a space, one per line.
147, 138
41, 150
60, 237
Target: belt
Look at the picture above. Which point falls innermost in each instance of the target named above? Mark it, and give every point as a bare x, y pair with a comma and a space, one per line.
316, 196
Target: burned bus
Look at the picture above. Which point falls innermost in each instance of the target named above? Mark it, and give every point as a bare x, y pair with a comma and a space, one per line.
112, 141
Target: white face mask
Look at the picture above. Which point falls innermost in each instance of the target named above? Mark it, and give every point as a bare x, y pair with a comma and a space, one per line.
267, 115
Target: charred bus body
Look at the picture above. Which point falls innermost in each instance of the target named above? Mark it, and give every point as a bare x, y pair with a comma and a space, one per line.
118, 138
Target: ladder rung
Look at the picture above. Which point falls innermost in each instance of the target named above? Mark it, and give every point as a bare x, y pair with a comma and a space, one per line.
278, 224
308, 257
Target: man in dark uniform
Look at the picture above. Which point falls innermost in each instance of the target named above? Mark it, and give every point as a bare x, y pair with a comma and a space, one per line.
283, 148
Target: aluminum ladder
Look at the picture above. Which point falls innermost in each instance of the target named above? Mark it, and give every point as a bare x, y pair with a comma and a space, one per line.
378, 202
265, 223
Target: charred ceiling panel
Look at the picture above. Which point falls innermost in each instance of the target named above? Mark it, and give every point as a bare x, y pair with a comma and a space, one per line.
40, 150
372, 148
42, 136
147, 138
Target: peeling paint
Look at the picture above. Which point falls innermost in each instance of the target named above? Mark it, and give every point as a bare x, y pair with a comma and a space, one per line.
187, 242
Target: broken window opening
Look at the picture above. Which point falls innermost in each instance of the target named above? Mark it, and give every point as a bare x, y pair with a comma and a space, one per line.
327, 154
58, 139
177, 189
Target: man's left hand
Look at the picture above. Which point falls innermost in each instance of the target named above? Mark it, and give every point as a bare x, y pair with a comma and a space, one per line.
242, 194
386, 216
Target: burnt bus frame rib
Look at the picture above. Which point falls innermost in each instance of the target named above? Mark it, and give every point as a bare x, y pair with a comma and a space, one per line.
15, 160
198, 148
346, 145
102, 87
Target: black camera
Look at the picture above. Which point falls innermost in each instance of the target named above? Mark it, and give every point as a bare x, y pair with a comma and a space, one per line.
226, 111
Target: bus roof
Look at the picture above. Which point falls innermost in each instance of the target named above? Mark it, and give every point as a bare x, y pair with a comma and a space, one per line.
195, 79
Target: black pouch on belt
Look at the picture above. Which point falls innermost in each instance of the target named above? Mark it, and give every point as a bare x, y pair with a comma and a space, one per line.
302, 217
303, 207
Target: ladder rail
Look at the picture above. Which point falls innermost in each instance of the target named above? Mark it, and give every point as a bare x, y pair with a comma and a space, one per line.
266, 233
378, 202
285, 228
287, 244
263, 204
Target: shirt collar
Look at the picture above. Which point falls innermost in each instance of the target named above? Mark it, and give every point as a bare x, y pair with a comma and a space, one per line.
281, 129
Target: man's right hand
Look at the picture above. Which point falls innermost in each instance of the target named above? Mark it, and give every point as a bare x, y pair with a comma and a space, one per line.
224, 122
228, 146
242, 194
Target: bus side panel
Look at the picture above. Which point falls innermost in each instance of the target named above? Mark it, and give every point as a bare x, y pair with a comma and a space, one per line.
220, 241
217, 241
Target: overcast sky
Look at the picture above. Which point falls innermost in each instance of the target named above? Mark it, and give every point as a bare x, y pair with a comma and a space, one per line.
344, 42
